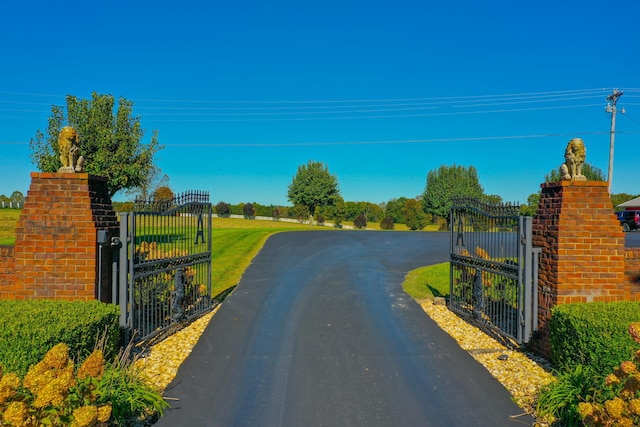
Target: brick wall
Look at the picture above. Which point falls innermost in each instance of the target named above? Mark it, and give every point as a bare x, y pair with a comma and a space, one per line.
7, 274
56, 250
632, 275
583, 255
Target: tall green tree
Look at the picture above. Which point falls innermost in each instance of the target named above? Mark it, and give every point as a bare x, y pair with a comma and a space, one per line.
447, 182
415, 217
111, 142
313, 185
395, 209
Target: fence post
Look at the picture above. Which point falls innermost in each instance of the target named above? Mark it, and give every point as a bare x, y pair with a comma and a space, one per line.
123, 262
528, 272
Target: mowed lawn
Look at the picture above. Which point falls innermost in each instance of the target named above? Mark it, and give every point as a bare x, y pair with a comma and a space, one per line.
237, 241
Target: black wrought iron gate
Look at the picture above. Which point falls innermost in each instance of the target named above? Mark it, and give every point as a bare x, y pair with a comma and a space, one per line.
164, 266
494, 267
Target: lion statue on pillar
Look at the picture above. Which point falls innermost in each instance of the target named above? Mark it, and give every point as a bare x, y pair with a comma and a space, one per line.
68, 144
574, 157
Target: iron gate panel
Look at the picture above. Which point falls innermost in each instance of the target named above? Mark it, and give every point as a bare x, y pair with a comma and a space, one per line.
168, 263
492, 267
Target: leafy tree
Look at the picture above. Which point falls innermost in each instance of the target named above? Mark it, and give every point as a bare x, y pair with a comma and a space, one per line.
592, 173
335, 210
223, 209
532, 205
387, 223
313, 185
17, 197
110, 143
447, 182
248, 211
360, 221
163, 193
415, 217
395, 209
155, 179
372, 211
301, 212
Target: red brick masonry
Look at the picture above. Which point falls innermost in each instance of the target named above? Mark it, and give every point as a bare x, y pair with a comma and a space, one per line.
56, 253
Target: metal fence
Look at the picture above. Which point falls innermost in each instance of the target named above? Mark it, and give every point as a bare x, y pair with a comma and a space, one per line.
164, 264
494, 267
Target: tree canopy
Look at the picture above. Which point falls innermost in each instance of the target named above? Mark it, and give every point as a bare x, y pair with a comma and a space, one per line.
592, 173
110, 143
312, 186
447, 182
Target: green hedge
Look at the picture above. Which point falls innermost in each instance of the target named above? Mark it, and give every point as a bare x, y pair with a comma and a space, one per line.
593, 334
29, 328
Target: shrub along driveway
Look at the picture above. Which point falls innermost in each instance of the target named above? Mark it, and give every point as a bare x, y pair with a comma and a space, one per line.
320, 333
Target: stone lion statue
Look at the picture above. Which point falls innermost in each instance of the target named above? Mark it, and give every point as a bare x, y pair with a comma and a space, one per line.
574, 157
70, 156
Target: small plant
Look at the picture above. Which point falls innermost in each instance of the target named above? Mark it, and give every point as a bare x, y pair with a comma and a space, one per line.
360, 221
560, 400
619, 399
248, 211
223, 210
387, 223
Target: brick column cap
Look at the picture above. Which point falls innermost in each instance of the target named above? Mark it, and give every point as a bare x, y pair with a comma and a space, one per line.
58, 175
575, 184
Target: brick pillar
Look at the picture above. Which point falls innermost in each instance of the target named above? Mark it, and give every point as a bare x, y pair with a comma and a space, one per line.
7, 274
56, 250
582, 243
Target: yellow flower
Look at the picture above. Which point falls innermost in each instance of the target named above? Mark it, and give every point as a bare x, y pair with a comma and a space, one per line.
628, 367
625, 422
93, 366
17, 415
55, 391
8, 385
634, 406
615, 407
634, 330
85, 416
104, 413
612, 379
57, 357
585, 409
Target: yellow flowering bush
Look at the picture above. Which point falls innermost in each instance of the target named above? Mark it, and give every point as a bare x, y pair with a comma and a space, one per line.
53, 394
622, 405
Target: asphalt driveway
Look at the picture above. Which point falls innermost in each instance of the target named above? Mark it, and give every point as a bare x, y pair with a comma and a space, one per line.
320, 333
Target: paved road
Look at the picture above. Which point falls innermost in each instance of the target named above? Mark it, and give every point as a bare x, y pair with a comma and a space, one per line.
632, 239
319, 333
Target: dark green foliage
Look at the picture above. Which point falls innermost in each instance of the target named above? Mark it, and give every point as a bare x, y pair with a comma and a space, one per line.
593, 334
122, 206
395, 209
360, 221
414, 216
561, 398
248, 211
313, 185
223, 209
372, 211
448, 182
387, 223
110, 142
29, 328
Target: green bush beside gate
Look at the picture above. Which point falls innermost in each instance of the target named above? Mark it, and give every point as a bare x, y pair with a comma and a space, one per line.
593, 334
29, 328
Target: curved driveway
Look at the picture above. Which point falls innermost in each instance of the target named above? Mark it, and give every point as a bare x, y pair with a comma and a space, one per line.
320, 333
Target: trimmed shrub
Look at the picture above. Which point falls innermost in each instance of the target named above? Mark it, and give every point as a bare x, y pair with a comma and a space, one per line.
360, 221
387, 223
223, 210
29, 328
593, 334
248, 211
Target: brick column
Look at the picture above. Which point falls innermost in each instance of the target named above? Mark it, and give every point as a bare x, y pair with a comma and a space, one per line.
582, 243
56, 250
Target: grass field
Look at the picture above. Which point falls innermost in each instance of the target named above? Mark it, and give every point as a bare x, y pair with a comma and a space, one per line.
237, 241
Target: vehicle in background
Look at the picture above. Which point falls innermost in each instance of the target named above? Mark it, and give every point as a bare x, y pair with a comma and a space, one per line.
629, 220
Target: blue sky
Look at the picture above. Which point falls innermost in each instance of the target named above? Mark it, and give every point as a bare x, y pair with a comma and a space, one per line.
242, 93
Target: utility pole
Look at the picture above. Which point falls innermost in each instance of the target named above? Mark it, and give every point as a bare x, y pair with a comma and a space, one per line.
611, 108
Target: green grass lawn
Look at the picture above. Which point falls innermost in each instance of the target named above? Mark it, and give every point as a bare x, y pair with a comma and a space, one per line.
8, 221
428, 282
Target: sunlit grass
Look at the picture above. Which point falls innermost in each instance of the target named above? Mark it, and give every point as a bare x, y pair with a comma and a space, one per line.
428, 282
8, 222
